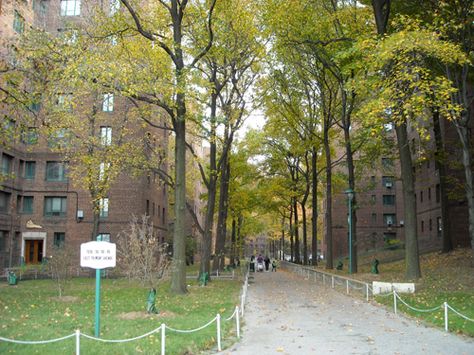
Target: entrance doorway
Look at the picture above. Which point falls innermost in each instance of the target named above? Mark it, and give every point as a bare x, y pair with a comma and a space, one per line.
33, 251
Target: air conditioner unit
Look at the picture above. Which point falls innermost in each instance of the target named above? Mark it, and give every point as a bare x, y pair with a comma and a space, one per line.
388, 184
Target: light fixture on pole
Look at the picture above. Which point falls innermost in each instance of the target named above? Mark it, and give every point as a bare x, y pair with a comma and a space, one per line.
350, 196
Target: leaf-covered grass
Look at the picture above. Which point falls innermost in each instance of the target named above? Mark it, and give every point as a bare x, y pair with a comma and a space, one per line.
445, 278
32, 311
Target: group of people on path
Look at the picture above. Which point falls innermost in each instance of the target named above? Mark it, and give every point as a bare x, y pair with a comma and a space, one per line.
262, 262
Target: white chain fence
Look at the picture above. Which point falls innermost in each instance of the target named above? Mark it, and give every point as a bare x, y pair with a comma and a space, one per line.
365, 289
238, 313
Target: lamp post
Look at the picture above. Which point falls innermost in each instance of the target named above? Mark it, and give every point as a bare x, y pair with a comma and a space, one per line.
350, 196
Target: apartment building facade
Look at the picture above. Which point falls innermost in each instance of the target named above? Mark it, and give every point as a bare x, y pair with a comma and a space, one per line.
41, 206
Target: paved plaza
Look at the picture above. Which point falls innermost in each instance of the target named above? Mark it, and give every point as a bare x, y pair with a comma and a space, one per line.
286, 314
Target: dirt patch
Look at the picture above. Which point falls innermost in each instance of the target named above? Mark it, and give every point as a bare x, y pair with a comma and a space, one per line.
143, 314
65, 299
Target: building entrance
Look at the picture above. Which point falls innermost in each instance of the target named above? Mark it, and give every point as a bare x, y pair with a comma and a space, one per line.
33, 251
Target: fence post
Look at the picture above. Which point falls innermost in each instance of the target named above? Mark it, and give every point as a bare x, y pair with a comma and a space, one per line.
163, 336
332, 281
78, 341
347, 286
237, 321
242, 303
218, 318
394, 301
367, 292
324, 279
446, 316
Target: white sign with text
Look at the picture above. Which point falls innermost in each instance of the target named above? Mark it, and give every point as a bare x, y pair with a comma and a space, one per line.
98, 255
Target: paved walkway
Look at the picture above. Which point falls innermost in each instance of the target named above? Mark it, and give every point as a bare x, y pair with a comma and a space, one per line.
286, 314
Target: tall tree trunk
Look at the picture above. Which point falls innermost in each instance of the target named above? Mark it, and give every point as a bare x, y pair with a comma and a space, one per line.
297, 236
292, 233
178, 277
232, 241
327, 151
211, 190
351, 179
219, 259
314, 204
411, 240
282, 240
464, 135
305, 234
440, 159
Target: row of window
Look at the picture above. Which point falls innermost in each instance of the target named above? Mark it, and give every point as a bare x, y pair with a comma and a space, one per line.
53, 206
155, 211
437, 192
388, 200
55, 170
387, 181
439, 227
389, 219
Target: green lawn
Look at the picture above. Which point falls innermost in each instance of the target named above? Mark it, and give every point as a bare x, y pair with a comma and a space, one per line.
32, 311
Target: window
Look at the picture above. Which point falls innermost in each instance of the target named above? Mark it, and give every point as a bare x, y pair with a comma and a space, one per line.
114, 6
374, 218
103, 168
27, 206
438, 193
108, 103
58, 239
30, 136
387, 181
103, 237
387, 163
18, 23
55, 171
4, 202
106, 135
147, 210
3, 238
163, 216
104, 207
30, 170
389, 200
439, 227
389, 219
372, 179
58, 138
7, 162
64, 102
70, 7
373, 199
421, 196
40, 6
153, 209
55, 206
430, 224
422, 226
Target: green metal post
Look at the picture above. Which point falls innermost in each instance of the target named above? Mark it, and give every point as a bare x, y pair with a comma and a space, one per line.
97, 302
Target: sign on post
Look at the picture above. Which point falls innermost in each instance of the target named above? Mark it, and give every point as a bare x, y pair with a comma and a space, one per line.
98, 255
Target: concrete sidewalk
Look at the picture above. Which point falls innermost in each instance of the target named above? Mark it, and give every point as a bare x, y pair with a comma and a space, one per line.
286, 314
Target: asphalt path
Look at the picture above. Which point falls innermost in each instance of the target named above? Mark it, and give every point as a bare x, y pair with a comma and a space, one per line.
287, 314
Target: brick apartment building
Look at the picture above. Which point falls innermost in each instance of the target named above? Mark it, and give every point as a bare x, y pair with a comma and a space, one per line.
39, 204
380, 211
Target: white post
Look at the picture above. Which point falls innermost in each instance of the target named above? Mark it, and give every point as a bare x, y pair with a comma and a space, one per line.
332, 281
163, 336
446, 316
218, 318
237, 321
395, 301
242, 305
324, 279
78, 341
217, 272
347, 286
367, 292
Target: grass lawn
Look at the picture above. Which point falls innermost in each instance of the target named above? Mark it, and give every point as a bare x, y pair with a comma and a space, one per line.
445, 277
32, 311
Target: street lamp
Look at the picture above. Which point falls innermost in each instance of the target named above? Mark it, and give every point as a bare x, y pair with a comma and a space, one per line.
350, 196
